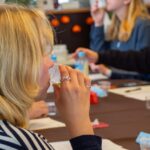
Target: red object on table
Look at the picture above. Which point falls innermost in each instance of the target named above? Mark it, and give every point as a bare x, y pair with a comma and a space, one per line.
101, 125
93, 98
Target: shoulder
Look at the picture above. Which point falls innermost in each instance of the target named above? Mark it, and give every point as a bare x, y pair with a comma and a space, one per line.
142, 29
142, 23
22, 138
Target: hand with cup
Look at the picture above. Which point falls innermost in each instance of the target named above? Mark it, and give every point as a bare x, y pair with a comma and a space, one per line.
73, 100
68, 84
91, 56
101, 68
98, 11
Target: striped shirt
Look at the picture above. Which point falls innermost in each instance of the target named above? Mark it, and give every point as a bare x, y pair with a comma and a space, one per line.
13, 138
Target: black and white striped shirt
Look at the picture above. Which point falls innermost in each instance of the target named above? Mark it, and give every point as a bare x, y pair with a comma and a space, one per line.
13, 138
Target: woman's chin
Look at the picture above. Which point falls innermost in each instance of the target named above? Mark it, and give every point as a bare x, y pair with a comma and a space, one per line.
43, 92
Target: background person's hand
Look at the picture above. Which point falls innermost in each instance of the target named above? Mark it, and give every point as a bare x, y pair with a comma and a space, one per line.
73, 101
91, 55
97, 14
94, 67
104, 70
38, 109
101, 68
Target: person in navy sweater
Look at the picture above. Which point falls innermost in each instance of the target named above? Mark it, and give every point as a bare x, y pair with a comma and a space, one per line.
129, 30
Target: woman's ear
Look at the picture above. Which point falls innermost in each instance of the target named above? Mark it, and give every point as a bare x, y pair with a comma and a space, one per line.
126, 2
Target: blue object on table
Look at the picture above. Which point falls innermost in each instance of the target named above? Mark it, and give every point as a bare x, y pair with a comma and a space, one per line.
143, 139
100, 92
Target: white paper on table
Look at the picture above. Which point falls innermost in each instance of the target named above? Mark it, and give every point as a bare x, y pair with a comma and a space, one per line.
44, 123
97, 76
63, 145
109, 145
106, 145
137, 94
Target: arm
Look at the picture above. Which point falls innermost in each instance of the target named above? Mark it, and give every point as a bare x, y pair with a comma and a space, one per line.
72, 100
130, 60
143, 39
97, 37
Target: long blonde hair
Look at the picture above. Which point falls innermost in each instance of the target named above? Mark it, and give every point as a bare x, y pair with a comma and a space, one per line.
24, 36
122, 30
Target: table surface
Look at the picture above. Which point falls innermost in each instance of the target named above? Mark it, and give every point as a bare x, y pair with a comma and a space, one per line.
126, 118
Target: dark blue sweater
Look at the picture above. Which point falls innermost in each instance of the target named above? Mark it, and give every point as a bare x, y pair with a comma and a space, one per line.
140, 39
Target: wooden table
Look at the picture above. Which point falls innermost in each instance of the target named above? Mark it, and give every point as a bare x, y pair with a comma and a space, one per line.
126, 118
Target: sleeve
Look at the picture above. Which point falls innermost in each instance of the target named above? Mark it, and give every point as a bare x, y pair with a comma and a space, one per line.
124, 75
97, 39
143, 39
138, 61
86, 142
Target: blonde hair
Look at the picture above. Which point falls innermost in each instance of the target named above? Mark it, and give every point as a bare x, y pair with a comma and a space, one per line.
25, 35
122, 30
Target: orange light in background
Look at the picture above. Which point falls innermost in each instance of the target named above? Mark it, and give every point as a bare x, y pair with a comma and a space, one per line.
76, 28
65, 19
55, 22
89, 20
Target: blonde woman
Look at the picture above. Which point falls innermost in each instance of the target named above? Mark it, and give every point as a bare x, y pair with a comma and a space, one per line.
26, 41
129, 30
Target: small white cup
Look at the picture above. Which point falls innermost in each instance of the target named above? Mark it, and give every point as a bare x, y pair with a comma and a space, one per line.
61, 52
55, 74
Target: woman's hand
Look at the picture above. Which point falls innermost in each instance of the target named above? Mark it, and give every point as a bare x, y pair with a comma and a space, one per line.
97, 14
38, 109
91, 55
73, 101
